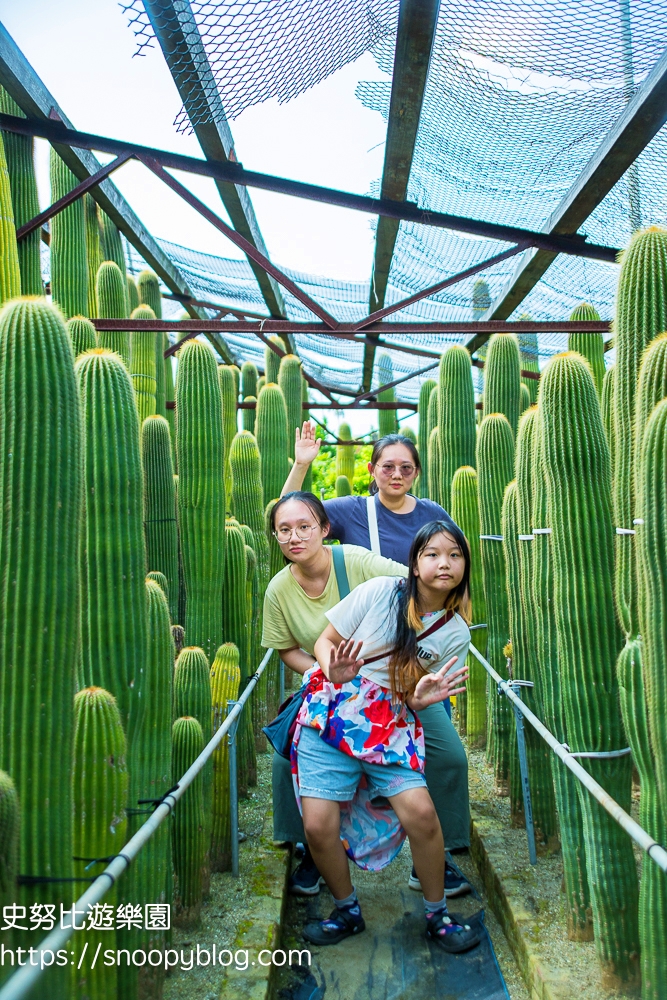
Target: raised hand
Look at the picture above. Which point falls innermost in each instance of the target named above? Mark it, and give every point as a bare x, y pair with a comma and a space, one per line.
306, 444
436, 687
343, 663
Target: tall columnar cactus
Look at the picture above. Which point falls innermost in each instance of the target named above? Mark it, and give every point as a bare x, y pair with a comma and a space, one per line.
100, 785
457, 430
502, 378
10, 274
575, 877
201, 493
433, 410
225, 679
112, 247
148, 286
69, 267
9, 839
424, 431
343, 488
160, 528
345, 454
40, 495
82, 333
261, 382
576, 463
236, 629
236, 372
248, 416
530, 359
113, 624
525, 399
157, 577
434, 465
148, 290
641, 314
272, 360
289, 380
19, 153
465, 511
248, 379
132, 294
188, 838
651, 388
112, 304
589, 345
516, 629
142, 353
387, 423
169, 394
93, 251
408, 433
271, 428
247, 503
495, 469
276, 558
607, 404
264, 701
229, 417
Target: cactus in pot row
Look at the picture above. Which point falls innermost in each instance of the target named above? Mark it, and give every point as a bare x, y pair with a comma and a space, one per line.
225, 680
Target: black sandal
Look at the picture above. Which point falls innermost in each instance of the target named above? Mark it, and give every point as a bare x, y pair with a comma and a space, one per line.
449, 936
337, 926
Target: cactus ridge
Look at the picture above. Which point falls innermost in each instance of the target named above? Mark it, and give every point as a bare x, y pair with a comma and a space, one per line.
272, 360
502, 378
345, 454
457, 428
82, 333
160, 528
93, 251
434, 464
148, 288
427, 386
192, 696
576, 463
651, 388
607, 406
229, 417
112, 304
589, 345
19, 153
271, 428
133, 299
69, 265
249, 378
387, 423
290, 382
530, 362
236, 630
187, 828
144, 374
9, 838
225, 680
161, 581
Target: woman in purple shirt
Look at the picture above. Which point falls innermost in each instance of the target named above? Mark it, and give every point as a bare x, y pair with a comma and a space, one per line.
386, 522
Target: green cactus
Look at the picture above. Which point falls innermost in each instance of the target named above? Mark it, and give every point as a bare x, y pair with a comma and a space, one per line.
530, 359
290, 382
495, 469
641, 314
161, 345
19, 151
576, 464
305, 415
160, 527
132, 294
161, 581
651, 388
261, 382
10, 274
387, 423
248, 379
142, 353
457, 431
248, 416
93, 251
82, 333
201, 493
69, 265
169, 395
148, 287
113, 556
502, 378
589, 345
525, 399
112, 304
225, 679
465, 512
577, 894
517, 642
188, 838
481, 299
427, 388
229, 418
236, 630
9, 840
272, 360
607, 404
247, 499
112, 248
271, 427
264, 694
40, 496
345, 454
343, 488
433, 402
276, 558
408, 433
100, 784
434, 478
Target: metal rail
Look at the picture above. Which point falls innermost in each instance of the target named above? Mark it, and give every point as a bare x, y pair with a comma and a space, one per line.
655, 852
25, 977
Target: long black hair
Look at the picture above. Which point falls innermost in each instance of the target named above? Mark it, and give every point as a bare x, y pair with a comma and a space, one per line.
385, 442
404, 667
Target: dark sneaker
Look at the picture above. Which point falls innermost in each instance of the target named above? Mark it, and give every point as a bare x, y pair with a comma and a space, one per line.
337, 926
455, 883
305, 880
449, 936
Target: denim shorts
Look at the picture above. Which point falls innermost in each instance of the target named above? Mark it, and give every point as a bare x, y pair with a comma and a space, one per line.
328, 773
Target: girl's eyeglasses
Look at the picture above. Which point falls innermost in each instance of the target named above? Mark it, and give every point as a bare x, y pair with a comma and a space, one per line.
303, 532
404, 470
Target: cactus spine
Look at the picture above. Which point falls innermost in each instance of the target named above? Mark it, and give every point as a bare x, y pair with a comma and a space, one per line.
289, 380
589, 345
83, 335
502, 378
641, 314
40, 495
387, 422
93, 251
345, 454
271, 427
100, 782
225, 678
272, 360
457, 428
465, 512
25, 203
160, 528
434, 465
424, 431
112, 304
576, 462
235, 629
142, 352
495, 469
229, 417
187, 829
575, 877
69, 265
201, 493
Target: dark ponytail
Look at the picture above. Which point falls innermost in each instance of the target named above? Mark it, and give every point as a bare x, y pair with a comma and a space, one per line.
385, 442
404, 667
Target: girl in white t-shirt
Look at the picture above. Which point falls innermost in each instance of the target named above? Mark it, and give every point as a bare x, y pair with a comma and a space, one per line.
391, 648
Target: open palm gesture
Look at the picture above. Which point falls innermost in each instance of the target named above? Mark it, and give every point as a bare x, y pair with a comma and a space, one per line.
343, 663
436, 687
306, 444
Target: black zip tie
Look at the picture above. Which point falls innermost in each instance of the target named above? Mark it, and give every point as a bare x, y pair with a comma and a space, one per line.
43, 879
158, 520
155, 802
96, 861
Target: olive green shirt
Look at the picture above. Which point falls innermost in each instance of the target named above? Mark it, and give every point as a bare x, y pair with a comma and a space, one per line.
293, 619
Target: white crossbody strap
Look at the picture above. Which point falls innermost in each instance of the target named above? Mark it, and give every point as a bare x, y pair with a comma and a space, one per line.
373, 525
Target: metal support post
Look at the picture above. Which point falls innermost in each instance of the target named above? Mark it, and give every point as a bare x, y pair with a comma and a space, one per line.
523, 766
233, 791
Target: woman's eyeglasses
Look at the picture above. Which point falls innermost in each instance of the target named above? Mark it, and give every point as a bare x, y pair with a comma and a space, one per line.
404, 470
303, 532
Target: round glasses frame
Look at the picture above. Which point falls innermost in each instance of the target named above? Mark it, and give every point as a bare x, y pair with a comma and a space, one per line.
310, 528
